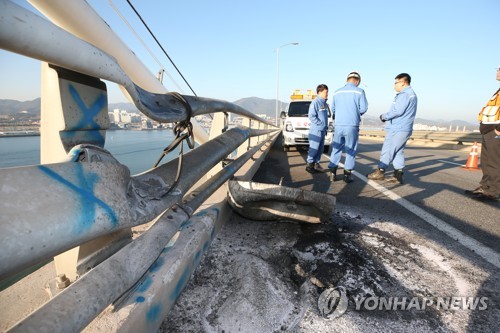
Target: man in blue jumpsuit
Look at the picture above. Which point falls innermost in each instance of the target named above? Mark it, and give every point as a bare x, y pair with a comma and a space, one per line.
398, 128
318, 116
348, 105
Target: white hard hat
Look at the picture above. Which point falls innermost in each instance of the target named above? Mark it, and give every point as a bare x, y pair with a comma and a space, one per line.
354, 75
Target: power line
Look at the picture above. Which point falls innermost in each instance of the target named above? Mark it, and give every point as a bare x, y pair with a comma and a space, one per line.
165, 52
143, 44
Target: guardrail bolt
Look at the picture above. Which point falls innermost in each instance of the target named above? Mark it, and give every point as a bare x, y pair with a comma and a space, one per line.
62, 281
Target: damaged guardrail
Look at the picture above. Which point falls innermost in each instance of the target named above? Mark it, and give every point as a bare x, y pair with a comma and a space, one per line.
265, 202
50, 208
97, 198
70, 310
24, 32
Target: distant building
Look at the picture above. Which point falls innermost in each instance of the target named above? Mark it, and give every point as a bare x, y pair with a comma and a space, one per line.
116, 114
146, 123
135, 118
125, 117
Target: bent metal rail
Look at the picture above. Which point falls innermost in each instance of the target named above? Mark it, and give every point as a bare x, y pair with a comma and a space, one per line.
48, 209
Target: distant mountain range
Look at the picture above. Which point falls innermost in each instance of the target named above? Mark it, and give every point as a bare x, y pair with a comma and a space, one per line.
253, 104
260, 106
10, 106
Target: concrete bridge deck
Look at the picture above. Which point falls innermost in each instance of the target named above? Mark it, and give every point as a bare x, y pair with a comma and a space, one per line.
267, 276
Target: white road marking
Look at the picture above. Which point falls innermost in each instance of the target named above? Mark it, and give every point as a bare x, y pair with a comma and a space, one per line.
443, 161
485, 252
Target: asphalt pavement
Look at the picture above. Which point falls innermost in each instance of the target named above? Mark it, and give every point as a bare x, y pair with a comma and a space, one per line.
435, 180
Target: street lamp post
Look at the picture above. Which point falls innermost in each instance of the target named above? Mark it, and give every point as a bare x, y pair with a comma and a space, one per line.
278, 78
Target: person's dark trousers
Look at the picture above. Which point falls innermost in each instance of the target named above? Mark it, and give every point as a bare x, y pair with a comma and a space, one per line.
490, 163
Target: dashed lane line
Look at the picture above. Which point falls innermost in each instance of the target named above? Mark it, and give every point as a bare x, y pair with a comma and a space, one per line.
485, 252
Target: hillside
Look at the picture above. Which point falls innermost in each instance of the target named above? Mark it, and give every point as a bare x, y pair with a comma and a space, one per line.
10, 106
253, 104
260, 106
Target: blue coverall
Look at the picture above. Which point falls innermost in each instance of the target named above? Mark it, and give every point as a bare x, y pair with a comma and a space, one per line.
318, 116
398, 128
348, 105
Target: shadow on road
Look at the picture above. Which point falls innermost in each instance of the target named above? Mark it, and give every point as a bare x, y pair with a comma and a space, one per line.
355, 195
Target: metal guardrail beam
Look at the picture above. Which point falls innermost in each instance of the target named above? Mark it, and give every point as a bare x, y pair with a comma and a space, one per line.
24, 32
81, 201
70, 311
455, 137
55, 207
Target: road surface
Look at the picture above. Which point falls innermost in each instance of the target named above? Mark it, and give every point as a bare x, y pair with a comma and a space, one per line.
423, 241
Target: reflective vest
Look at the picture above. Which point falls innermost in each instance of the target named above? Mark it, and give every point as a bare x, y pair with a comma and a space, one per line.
490, 113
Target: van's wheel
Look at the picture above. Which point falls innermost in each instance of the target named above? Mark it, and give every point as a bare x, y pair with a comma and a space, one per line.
286, 148
326, 149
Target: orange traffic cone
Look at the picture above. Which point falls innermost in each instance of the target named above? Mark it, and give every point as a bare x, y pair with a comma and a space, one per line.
473, 159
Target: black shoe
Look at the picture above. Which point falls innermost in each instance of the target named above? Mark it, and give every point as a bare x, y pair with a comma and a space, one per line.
348, 176
398, 174
397, 177
333, 175
310, 168
487, 197
475, 191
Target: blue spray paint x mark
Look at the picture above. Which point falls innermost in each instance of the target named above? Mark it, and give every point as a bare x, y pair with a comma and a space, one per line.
87, 121
85, 191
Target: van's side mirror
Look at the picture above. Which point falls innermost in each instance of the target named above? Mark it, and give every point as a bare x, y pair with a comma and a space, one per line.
283, 115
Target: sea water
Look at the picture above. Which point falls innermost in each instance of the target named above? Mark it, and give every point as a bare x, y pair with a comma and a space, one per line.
138, 150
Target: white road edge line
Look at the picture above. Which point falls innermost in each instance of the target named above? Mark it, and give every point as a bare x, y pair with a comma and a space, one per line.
485, 252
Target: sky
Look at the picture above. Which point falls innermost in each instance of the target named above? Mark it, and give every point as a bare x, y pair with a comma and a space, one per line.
227, 49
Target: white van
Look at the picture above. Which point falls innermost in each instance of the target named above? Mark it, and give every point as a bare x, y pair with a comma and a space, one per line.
296, 122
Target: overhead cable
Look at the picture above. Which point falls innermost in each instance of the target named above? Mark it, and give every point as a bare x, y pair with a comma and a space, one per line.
144, 44
159, 44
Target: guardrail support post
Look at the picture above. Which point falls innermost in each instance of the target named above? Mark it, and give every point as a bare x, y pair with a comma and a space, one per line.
254, 125
243, 148
218, 123
74, 110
